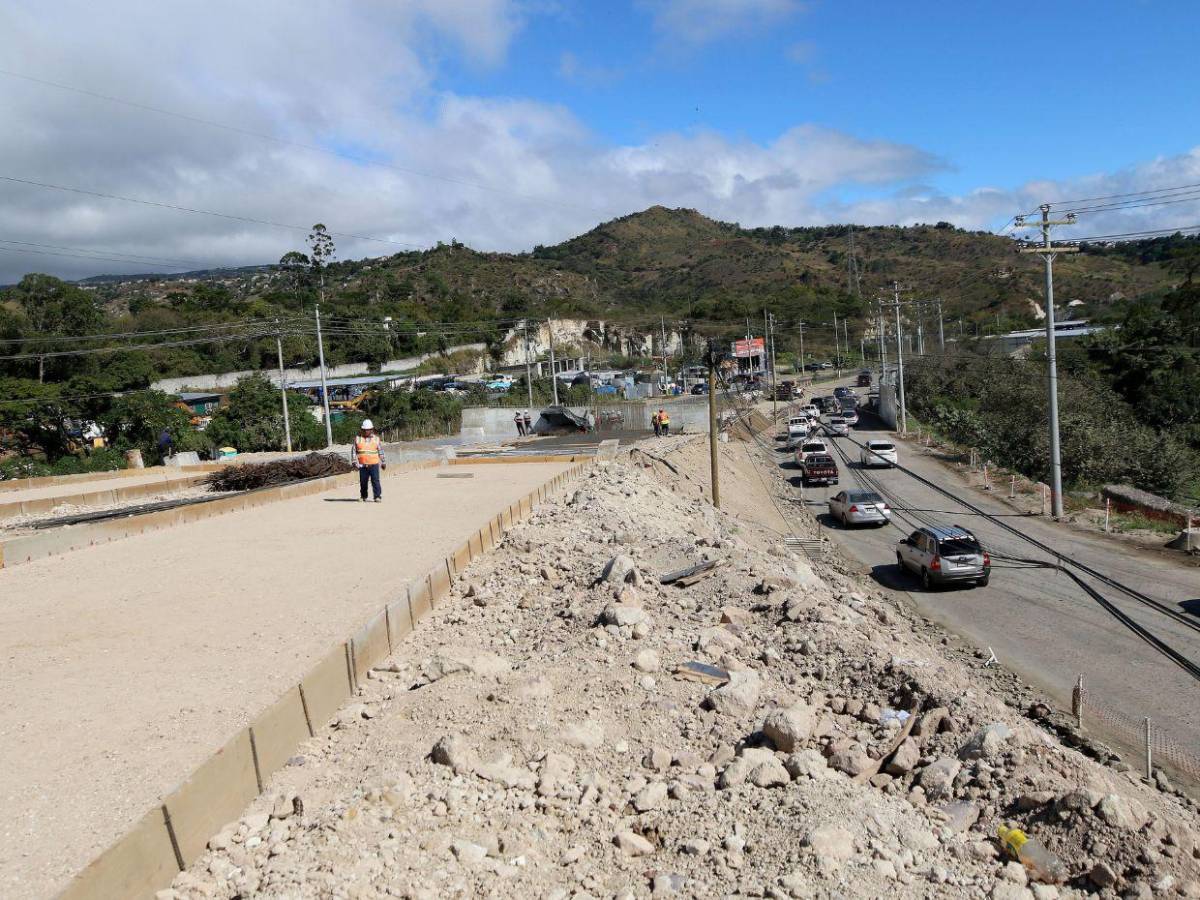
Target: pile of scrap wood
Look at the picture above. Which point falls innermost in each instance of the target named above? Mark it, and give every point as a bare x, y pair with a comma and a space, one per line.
248, 476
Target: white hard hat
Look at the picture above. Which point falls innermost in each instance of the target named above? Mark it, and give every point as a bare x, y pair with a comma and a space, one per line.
367, 423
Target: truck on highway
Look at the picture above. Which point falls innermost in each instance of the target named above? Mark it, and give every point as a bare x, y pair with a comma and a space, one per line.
818, 468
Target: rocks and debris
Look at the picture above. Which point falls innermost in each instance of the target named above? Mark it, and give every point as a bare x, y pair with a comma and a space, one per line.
814, 739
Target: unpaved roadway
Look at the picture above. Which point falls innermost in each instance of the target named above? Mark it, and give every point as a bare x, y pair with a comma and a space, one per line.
127, 664
1037, 621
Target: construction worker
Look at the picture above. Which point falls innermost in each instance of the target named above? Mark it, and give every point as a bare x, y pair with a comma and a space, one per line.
520, 423
528, 424
654, 420
367, 456
664, 422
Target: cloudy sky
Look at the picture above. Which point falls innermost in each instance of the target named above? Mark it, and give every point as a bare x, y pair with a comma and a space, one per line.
508, 123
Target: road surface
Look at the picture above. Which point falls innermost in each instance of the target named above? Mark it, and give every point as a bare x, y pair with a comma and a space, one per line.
1038, 622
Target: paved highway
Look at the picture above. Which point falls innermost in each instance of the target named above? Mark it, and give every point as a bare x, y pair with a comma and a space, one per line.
1038, 621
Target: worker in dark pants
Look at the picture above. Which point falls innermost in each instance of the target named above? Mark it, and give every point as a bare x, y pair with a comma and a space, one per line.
528, 424
166, 445
367, 456
520, 423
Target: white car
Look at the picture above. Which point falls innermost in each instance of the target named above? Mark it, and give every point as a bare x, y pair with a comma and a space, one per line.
878, 453
811, 411
810, 448
797, 426
836, 426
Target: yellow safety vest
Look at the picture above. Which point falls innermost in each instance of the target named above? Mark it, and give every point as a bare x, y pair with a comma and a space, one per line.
664, 419
366, 449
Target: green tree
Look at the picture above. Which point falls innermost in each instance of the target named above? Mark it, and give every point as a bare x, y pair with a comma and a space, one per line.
135, 421
253, 420
51, 308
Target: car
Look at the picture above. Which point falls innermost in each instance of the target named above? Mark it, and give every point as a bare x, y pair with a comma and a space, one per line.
813, 367
944, 554
864, 379
843, 391
850, 414
878, 453
809, 448
859, 508
699, 389
831, 405
811, 411
818, 468
836, 425
797, 425
826, 365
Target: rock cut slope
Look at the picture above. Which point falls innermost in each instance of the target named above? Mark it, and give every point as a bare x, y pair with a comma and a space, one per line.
546, 735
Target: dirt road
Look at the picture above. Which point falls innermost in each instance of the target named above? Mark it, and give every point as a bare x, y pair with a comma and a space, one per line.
1037, 621
127, 664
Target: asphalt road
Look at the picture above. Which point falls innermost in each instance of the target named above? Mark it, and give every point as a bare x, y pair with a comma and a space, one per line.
1038, 621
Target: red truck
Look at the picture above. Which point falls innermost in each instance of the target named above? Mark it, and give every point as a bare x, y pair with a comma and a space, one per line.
818, 468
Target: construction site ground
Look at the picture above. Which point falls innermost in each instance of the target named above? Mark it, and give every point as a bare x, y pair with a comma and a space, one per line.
544, 734
127, 664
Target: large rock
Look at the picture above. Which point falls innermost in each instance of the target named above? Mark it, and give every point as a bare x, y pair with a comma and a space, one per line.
650, 797
621, 569
620, 614
587, 735
905, 759
831, 844
738, 697
452, 751
790, 728
757, 765
852, 760
450, 660
987, 742
1121, 812
937, 778
632, 844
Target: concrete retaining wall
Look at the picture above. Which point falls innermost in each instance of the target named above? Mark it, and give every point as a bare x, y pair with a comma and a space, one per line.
889, 410
21, 484
99, 497
172, 835
690, 413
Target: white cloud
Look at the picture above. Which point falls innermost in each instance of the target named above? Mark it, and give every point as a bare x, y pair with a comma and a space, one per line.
510, 172
701, 21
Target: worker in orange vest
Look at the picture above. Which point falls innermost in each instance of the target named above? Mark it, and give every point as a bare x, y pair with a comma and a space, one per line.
664, 422
367, 456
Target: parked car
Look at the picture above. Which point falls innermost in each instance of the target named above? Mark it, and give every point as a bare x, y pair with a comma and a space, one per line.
699, 389
810, 448
813, 367
818, 468
836, 426
826, 365
943, 555
859, 508
878, 453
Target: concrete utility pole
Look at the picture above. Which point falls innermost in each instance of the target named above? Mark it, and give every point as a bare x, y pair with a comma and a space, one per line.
920, 335
662, 323
1048, 252
528, 369
712, 428
800, 328
769, 321
941, 329
287, 425
837, 353
900, 358
553, 374
882, 344
324, 384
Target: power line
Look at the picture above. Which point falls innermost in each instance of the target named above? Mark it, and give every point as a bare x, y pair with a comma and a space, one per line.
128, 262
340, 154
1168, 190
135, 257
71, 338
201, 212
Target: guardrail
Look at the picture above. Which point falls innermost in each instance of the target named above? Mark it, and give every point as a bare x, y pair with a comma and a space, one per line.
174, 833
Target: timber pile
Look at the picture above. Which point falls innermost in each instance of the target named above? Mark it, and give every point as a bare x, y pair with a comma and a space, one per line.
283, 471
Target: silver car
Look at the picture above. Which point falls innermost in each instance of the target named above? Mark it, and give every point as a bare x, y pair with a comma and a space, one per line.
859, 508
836, 425
944, 554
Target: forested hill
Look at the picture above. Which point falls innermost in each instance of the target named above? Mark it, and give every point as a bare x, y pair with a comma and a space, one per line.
660, 261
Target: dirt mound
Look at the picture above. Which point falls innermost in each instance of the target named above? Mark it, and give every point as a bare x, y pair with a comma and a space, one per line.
773, 729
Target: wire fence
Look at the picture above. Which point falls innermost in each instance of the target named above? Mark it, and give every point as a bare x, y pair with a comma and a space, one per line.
1156, 747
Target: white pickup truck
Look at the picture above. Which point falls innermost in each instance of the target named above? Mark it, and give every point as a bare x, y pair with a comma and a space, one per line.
798, 426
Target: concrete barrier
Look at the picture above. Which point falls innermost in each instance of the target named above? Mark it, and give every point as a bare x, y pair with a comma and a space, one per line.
174, 834
22, 484
99, 497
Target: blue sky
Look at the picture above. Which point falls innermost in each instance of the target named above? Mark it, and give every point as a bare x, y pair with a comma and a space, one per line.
509, 123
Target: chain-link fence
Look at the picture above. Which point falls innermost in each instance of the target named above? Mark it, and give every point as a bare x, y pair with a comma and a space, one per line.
1156, 747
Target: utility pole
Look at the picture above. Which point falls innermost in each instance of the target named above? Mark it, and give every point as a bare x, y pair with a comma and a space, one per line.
900, 357
528, 368
920, 335
770, 350
324, 384
941, 328
846, 336
882, 344
800, 328
287, 424
1048, 252
837, 353
553, 374
662, 322
712, 427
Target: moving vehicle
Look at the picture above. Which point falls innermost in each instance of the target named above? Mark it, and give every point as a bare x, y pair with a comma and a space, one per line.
943, 555
808, 448
836, 425
811, 411
878, 453
818, 468
864, 379
786, 390
797, 425
843, 391
859, 508
699, 389
850, 414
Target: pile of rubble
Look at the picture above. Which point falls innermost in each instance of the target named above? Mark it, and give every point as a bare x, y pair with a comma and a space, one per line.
566, 725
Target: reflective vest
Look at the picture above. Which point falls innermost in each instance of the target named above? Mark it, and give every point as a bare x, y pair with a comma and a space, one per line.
366, 450
664, 419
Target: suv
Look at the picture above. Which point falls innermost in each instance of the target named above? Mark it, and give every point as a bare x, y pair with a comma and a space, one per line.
944, 554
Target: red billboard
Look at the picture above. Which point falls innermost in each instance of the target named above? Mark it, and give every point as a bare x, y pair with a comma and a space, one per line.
751, 347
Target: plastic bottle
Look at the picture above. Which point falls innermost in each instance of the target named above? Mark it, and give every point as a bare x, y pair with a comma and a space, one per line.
1032, 854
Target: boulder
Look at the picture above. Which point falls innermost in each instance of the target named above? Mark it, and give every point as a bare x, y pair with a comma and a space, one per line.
450, 660
1122, 812
621, 569
452, 751
620, 615
830, 844
757, 765
905, 759
937, 778
632, 844
987, 742
738, 697
790, 728
852, 760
